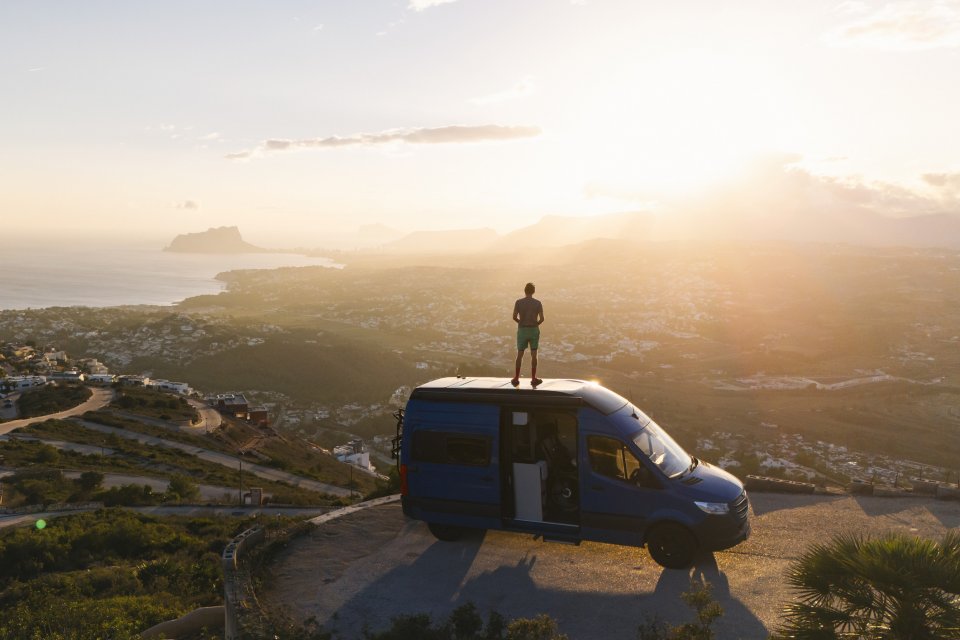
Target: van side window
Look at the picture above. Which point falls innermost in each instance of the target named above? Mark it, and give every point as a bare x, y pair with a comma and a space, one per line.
610, 457
451, 448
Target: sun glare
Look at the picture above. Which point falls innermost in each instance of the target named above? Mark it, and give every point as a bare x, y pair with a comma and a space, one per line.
678, 123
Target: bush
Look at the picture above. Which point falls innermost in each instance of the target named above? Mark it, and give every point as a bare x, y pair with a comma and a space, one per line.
465, 623
697, 598
183, 487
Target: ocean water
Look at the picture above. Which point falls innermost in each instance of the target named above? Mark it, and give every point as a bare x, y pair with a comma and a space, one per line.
54, 275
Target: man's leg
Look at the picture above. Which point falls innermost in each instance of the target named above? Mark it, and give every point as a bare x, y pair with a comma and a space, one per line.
516, 377
533, 363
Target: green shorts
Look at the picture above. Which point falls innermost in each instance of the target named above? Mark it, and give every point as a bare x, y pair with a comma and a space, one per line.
528, 335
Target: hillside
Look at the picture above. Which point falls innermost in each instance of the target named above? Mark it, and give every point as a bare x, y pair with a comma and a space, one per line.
760, 341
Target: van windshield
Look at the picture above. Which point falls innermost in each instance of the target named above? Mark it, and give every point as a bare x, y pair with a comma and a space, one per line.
662, 450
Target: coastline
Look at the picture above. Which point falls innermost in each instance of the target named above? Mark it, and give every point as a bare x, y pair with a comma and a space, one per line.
97, 277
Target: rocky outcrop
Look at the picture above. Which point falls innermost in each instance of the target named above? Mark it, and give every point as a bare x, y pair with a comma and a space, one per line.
218, 240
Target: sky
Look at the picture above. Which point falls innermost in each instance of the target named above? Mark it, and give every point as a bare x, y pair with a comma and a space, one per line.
316, 124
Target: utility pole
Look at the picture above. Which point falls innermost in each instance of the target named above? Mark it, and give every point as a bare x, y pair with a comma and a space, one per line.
240, 460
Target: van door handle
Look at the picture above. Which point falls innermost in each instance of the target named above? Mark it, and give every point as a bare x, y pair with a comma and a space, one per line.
487, 479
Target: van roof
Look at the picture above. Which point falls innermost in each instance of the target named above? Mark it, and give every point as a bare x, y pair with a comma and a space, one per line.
552, 392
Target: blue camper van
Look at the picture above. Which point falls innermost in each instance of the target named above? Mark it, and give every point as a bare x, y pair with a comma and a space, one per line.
567, 461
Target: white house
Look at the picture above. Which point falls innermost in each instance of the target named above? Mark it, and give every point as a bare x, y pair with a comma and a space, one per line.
71, 375
182, 388
19, 383
354, 453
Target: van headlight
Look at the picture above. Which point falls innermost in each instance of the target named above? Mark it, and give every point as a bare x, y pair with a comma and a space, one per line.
714, 508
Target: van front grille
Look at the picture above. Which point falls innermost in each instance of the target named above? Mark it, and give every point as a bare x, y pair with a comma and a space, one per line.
740, 506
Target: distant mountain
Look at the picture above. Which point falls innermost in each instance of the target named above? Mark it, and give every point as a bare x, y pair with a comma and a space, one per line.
560, 231
218, 240
456, 241
856, 227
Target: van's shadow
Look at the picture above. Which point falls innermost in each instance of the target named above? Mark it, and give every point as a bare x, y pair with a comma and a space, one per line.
439, 581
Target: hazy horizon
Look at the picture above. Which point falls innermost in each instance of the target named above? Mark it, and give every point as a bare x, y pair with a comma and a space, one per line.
302, 122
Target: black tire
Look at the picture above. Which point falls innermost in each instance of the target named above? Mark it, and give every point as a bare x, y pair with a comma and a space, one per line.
672, 546
445, 532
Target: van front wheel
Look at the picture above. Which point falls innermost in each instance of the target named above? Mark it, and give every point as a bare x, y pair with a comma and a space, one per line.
671, 545
445, 532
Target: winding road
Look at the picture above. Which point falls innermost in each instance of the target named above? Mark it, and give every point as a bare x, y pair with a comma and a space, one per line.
102, 397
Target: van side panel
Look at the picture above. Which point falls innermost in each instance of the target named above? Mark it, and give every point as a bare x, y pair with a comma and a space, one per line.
452, 455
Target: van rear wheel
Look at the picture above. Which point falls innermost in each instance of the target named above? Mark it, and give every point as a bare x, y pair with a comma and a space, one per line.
445, 532
671, 545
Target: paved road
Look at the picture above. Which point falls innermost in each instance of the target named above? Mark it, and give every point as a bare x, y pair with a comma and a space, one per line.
221, 459
208, 492
101, 397
371, 566
85, 449
209, 417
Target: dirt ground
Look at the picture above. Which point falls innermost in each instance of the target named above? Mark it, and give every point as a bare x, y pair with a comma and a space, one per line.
366, 568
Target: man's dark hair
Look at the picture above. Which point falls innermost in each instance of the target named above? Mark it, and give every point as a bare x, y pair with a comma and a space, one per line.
529, 289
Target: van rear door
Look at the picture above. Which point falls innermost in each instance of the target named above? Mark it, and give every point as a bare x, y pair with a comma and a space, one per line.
453, 466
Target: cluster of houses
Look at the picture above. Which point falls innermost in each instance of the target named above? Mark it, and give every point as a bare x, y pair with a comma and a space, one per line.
26, 382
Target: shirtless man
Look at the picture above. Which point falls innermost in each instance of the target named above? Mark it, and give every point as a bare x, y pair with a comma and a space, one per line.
528, 314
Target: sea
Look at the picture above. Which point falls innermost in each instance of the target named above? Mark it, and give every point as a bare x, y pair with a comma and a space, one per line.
55, 275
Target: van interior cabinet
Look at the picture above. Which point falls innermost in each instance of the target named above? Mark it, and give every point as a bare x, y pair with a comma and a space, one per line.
528, 488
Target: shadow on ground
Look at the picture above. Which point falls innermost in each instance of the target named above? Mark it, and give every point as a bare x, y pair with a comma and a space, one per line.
437, 582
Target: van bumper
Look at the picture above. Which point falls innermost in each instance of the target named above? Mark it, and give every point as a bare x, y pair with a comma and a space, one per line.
717, 533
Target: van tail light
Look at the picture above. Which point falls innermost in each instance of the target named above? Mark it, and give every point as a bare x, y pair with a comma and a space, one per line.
403, 480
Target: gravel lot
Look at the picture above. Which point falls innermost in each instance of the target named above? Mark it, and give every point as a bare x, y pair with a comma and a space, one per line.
368, 567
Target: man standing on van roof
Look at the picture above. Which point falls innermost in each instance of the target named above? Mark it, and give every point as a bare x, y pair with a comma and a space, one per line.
528, 314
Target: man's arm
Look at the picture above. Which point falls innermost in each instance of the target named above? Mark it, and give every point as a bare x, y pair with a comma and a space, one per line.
540, 317
516, 312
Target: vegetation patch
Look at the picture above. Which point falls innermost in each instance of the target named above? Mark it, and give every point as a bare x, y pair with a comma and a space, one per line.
109, 574
154, 404
132, 457
52, 399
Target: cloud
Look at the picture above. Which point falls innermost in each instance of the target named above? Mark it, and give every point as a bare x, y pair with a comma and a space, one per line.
522, 89
778, 185
191, 205
899, 26
948, 184
454, 134
420, 5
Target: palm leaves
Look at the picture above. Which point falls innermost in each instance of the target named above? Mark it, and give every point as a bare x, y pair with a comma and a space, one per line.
892, 587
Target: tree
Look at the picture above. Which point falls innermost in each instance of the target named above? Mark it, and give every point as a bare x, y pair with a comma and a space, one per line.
894, 586
183, 487
47, 454
89, 481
